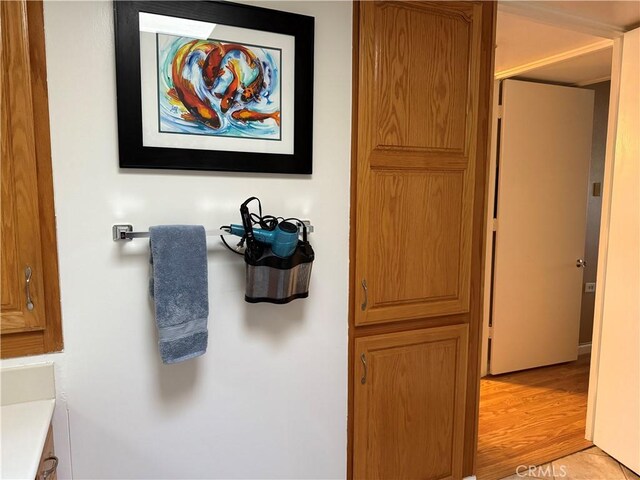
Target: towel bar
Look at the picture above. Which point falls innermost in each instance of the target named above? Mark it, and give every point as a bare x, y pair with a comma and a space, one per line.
124, 231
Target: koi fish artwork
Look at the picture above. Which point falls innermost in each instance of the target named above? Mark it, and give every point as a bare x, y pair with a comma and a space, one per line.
246, 115
218, 88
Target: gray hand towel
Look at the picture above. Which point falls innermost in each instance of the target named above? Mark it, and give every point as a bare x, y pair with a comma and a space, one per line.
179, 288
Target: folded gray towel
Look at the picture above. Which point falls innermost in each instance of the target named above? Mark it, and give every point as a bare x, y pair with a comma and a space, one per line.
179, 288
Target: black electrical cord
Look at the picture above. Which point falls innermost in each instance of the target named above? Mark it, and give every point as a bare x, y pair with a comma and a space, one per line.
229, 246
266, 222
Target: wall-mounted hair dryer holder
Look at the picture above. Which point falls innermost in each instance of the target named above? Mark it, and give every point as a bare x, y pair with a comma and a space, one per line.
278, 262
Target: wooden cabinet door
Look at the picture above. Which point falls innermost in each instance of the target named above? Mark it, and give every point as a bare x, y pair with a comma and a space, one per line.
409, 392
48, 461
20, 226
419, 75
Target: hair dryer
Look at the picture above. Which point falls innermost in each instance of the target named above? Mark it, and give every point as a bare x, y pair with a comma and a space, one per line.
283, 239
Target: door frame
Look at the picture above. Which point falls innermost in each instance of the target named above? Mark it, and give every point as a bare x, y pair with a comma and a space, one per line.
603, 241
548, 16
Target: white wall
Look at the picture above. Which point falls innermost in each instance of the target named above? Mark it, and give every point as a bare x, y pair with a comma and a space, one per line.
269, 399
602, 92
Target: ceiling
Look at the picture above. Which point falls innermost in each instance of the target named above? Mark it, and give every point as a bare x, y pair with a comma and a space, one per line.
560, 41
621, 14
582, 70
520, 41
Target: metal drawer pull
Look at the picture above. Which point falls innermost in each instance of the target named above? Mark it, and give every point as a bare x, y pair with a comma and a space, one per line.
27, 288
363, 359
366, 295
50, 471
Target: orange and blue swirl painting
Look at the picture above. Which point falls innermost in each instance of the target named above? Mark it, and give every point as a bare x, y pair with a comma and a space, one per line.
218, 88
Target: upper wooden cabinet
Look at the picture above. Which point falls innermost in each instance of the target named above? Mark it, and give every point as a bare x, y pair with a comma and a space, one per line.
417, 126
30, 307
22, 285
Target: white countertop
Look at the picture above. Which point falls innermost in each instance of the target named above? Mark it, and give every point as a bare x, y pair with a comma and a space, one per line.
24, 432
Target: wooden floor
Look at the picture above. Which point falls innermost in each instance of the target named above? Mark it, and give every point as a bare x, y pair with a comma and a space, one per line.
531, 417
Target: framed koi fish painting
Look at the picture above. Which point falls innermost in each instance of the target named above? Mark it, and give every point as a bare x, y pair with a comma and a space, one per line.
210, 85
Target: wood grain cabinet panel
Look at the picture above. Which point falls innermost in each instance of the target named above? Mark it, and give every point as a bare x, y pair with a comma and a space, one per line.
409, 397
30, 300
422, 96
403, 273
417, 110
20, 231
421, 87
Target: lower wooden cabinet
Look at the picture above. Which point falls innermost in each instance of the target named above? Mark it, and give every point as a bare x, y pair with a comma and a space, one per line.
48, 461
409, 394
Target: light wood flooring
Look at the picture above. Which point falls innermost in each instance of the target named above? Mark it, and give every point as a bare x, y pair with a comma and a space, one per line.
531, 417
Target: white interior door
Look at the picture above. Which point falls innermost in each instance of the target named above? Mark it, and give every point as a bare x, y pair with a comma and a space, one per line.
543, 172
617, 399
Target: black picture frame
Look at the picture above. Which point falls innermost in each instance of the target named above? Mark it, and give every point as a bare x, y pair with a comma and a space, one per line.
133, 154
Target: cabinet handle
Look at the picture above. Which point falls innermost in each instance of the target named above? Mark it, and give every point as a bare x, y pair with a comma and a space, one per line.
27, 287
363, 359
366, 295
50, 471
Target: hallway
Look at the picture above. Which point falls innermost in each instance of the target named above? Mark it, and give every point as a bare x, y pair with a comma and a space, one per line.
531, 417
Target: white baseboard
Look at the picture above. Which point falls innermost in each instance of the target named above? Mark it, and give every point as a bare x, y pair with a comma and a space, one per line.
584, 348
472, 477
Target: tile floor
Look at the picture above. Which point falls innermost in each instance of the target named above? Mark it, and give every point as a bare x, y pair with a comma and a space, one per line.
589, 464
